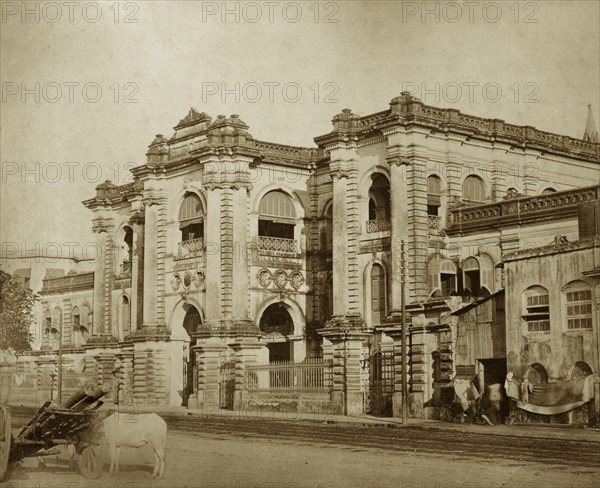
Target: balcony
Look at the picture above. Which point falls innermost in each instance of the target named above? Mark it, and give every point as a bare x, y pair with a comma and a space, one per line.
434, 225
190, 249
67, 283
516, 211
279, 246
379, 225
124, 271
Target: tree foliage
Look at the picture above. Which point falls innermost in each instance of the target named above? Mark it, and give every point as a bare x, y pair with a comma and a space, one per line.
16, 314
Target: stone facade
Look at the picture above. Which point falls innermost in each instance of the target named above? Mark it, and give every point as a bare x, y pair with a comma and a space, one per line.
229, 250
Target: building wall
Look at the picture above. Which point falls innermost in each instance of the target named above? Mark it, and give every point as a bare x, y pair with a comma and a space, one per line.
559, 349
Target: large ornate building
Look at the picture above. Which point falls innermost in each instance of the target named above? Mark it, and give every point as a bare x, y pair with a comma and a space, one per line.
227, 253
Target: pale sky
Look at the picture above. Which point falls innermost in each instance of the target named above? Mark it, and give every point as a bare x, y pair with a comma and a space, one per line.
172, 58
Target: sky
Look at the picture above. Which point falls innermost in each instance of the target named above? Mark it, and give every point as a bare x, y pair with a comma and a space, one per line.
87, 85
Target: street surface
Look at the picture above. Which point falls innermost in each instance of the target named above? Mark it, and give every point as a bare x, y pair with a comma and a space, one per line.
224, 452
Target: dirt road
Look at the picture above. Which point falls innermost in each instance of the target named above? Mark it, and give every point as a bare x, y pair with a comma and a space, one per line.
213, 452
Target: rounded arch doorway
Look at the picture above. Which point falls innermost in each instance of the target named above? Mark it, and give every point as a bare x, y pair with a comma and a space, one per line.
191, 324
276, 322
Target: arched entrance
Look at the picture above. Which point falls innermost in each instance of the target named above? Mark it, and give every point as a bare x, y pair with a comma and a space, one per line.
191, 323
277, 323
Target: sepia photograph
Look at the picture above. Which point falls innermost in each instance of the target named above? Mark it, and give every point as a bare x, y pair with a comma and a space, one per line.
300, 244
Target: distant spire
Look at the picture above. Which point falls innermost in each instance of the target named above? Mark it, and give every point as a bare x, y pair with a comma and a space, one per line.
591, 134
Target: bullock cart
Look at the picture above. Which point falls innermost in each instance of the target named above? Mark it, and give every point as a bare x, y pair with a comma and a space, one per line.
76, 422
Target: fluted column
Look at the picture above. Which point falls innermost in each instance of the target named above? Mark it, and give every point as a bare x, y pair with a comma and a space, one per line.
137, 269
151, 319
399, 217
101, 227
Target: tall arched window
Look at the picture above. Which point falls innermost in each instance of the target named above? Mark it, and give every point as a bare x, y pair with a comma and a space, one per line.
327, 229
276, 222
578, 297
191, 225
56, 330
85, 321
379, 204
442, 277
473, 190
434, 192
478, 276
536, 309
378, 295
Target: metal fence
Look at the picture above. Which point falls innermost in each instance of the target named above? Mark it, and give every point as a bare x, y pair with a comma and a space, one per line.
309, 376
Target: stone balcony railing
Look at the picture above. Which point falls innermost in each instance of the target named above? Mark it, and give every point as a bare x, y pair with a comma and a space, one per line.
434, 225
70, 282
190, 249
378, 225
278, 245
534, 209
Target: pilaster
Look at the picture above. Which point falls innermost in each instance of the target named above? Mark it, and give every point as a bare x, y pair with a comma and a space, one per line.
101, 325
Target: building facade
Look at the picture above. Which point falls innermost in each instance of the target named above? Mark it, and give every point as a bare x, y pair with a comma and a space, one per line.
228, 253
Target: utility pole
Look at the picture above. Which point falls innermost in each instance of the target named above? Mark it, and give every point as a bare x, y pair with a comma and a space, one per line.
59, 388
403, 319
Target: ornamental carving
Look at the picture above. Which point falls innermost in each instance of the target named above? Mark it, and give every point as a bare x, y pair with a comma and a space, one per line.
296, 279
264, 278
281, 278
175, 282
187, 280
199, 279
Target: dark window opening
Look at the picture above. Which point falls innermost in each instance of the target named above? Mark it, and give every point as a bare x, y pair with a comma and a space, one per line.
472, 283
270, 228
433, 210
448, 284
192, 231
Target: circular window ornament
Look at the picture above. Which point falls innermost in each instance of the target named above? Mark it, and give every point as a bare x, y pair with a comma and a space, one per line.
199, 279
187, 280
175, 282
280, 278
296, 280
264, 278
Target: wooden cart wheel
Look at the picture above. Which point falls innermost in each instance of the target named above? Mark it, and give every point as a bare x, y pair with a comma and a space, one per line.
90, 462
5, 439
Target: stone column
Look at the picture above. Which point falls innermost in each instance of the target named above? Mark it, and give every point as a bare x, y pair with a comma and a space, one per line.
340, 238
150, 262
212, 242
206, 396
416, 259
106, 363
246, 354
137, 269
125, 376
101, 227
399, 215
347, 394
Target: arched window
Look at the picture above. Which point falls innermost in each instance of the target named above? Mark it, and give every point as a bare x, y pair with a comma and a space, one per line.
192, 320
579, 370
191, 225
434, 192
276, 223
85, 321
76, 318
378, 295
578, 295
536, 309
473, 190
478, 276
125, 315
191, 218
547, 191
327, 229
277, 323
442, 277
379, 204
536, 373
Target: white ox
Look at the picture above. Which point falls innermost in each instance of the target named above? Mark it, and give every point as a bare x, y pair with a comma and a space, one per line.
130, 430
